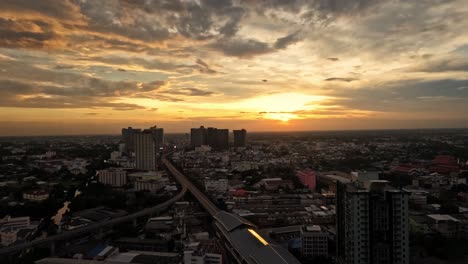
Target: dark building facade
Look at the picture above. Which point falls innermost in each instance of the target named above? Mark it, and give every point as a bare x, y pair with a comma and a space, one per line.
372, 224
128, 137
198, 136
240, 138
214, 137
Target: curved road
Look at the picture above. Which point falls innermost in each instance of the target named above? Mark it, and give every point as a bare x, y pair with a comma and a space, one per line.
95, 226
204, 201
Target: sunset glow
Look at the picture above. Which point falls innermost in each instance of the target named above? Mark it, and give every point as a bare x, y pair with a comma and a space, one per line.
102, 65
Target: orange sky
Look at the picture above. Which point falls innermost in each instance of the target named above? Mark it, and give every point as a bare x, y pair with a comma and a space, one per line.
87, 67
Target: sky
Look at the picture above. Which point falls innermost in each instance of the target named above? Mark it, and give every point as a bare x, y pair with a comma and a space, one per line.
93, 67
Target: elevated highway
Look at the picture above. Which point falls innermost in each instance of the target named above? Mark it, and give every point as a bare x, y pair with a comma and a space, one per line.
239, 236
92, 227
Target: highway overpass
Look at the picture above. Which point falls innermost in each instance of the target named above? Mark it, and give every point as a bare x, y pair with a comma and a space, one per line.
50, 241
239, 236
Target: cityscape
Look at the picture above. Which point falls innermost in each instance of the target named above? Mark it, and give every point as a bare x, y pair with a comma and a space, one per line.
233, 132
230, 196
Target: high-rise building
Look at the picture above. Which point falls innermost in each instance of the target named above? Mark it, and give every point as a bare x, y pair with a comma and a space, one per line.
222, 139
372, 224
158, 136
128, 137
240, 138
214, 137
198, 136
145, 151
211, 137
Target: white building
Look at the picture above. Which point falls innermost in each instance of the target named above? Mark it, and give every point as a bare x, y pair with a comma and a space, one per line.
15, 222
314, 241
220, 185
150, 185
115, 177
36, 196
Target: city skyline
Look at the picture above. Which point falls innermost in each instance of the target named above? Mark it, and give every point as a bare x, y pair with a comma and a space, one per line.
93, 67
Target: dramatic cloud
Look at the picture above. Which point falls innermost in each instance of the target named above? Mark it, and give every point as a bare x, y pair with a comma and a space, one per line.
364, 60
337, 79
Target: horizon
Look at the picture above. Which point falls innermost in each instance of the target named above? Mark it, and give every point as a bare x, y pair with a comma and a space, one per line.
90, 67
252, 132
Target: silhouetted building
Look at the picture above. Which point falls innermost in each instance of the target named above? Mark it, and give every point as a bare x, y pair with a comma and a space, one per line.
372, 224
214, 137
240, 138
198, 136
145, 151
222, 139
128, 137
158, 136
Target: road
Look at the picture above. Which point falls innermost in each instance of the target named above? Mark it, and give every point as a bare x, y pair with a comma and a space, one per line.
204, 201
93, 227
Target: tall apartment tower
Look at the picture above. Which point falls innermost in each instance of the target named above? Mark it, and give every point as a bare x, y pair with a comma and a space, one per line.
222, 139
158, 136
240, 138
198, 136
214, 137
372, 224
128, 137
145, 151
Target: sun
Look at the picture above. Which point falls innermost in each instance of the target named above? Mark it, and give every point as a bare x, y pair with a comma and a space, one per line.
283, 117
281, 106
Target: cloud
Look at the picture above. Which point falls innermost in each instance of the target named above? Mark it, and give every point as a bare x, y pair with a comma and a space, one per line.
204, 67
63, 9
189, 92
338, 79
244, 48
284, 42
248, 48
26, 34
451, 64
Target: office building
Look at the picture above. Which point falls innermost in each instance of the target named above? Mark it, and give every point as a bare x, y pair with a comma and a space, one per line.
128, 137
115, 177
145, 152
198, 136
372, 224
314, 241
240, 138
